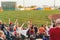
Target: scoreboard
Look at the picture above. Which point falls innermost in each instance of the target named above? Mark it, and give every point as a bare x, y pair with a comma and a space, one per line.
8, 5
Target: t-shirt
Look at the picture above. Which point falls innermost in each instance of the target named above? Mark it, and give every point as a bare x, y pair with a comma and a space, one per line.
35, 28
54, 34
31, 31
11, 27
21, 31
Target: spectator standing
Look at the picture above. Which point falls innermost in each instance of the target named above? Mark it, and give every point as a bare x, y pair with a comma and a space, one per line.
41, 31
1, 25
55, 32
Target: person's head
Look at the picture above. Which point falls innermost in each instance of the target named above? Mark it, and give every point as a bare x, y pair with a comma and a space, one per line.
1, 33
42, 25
29, 22
57, 22
32, 27
53, 25
11, 23
0, 21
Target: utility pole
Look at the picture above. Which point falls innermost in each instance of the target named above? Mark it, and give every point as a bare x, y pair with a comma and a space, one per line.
23, 3
54, 3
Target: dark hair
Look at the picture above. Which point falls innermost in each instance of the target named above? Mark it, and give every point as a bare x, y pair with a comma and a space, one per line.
42, 25
1, 39
53, 25
32, 27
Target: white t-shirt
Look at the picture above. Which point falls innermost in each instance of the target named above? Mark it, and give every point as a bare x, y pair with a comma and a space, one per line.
21, 31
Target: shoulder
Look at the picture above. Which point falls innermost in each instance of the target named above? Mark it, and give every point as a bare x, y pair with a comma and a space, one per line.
52, 29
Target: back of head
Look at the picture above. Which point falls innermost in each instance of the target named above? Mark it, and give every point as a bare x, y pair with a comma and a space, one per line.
1, 33
57, 22
0, 21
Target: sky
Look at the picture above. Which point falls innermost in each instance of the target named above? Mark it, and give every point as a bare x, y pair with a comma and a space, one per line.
35, 2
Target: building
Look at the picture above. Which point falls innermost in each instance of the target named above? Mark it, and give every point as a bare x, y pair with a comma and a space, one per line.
8, 5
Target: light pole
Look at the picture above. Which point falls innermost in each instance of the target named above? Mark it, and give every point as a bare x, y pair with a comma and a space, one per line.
23, 3
54, 3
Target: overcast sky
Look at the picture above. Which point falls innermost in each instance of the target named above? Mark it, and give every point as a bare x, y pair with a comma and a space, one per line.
35, 2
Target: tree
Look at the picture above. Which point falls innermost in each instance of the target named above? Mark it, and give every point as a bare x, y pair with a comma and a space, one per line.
20, 6
33, 6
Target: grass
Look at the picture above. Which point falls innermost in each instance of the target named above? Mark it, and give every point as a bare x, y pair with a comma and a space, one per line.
37, 16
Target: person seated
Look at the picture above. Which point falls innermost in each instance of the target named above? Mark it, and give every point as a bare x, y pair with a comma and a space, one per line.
2, 36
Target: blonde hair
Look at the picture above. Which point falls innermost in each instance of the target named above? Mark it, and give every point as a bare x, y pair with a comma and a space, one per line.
1, 33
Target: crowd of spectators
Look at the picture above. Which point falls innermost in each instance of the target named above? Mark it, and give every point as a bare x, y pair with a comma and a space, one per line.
14, 31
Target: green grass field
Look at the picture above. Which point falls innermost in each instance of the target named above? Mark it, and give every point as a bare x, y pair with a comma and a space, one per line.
37, 16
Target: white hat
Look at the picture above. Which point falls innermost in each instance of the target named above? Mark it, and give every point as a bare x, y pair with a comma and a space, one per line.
57, 21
